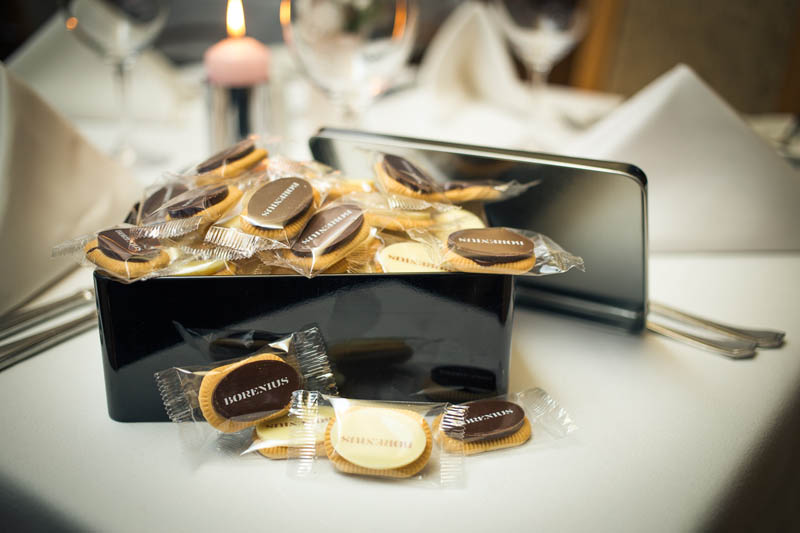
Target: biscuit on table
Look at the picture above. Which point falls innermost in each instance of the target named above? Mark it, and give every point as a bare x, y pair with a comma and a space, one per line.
122, 253
494, 250
242, 394
378, 441
488, 425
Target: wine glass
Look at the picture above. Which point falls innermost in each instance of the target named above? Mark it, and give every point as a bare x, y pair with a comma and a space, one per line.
351, 49
119, 30
541, 32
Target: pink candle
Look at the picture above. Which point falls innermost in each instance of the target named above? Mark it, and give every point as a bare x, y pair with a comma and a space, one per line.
237, 61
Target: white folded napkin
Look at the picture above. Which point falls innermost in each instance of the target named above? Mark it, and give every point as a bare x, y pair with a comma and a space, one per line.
713, 184
53, 186
79, 83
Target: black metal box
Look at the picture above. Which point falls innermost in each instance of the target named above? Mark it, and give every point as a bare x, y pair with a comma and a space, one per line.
390, 336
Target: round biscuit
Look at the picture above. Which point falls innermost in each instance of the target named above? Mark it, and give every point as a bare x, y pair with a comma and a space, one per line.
450, 444
343, 465
124, 269
232, 169
206, 393
462, 264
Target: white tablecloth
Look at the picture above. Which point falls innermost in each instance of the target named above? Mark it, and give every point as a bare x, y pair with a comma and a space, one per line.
670, 437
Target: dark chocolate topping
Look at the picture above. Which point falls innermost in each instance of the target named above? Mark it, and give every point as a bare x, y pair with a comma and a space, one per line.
237, 151
133, 214
408, 175
488, 246
279, 202
120, 244
491, 419
329, 229
163, 194
255, 390
200, 200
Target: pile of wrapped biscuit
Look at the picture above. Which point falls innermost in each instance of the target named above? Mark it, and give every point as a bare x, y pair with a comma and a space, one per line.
282, 403
245, 212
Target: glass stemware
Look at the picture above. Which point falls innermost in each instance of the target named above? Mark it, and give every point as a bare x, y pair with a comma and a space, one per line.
541, 32
351, 49
119, 30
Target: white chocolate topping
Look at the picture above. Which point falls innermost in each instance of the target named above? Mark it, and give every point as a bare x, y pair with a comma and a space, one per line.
409, 257
378, 438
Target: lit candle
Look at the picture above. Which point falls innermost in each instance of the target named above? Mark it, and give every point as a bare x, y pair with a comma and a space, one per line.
237, 61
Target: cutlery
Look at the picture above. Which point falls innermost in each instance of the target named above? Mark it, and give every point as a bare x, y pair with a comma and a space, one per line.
17, 321
762, 338
17, 351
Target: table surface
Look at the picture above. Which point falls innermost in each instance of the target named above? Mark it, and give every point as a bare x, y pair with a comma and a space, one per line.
666, 432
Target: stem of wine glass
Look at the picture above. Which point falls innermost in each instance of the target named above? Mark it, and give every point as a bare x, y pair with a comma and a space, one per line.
123, 149
347, 112
539, 72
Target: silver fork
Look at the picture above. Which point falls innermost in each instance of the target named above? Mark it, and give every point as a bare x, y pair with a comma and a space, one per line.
731, 341
17, 321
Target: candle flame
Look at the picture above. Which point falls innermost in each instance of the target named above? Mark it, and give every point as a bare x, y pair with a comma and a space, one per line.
400, 15
285, 12
235, 18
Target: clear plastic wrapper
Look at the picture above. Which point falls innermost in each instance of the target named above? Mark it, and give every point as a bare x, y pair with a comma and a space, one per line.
398, 175
397, 213
273, 214
331, 234
345, 186
373, 439
246, 156
283, 167
120, 252
147, 210
497, 251
188, 215
230, 397
520, 421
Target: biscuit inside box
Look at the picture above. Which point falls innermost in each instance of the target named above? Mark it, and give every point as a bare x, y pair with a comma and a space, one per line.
411, 337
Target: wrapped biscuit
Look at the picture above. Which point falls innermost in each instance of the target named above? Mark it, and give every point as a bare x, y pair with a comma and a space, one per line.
246, 156
520, 421
125, 253
330, 235
148, 210
121, 252
398, 175
497, 251
231, 397
187, 216
388, 440
272, 216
